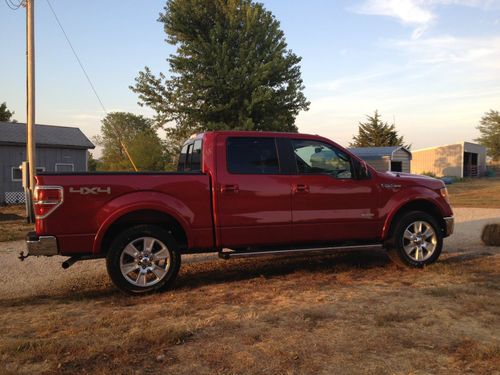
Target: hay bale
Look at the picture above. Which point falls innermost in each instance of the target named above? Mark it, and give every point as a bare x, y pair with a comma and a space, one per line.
491, 234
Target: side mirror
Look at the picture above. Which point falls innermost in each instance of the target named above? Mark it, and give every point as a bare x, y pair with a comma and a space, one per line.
362, 170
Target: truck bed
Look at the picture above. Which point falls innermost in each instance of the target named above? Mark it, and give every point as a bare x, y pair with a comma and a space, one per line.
91, 200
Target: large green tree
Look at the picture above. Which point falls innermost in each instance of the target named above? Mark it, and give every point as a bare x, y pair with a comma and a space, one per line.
137, 135
232, 70
376, 133
489, 128
5, 114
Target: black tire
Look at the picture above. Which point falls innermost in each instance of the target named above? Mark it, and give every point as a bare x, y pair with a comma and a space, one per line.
147, 264
396, 245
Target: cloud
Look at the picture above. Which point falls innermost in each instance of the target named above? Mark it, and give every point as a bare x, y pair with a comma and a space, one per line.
407, 11
338, 84
479, 56
417, 13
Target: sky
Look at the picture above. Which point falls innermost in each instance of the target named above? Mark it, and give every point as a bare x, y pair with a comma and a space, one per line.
430, 66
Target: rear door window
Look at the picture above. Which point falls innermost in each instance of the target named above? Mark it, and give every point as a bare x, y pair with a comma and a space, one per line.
257, 155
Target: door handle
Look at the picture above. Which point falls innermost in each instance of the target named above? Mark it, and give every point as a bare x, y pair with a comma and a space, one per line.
301, 188
229, 189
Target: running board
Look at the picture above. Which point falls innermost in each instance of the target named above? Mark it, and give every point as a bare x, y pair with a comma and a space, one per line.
230, 254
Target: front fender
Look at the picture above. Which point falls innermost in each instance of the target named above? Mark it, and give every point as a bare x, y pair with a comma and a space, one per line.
408, 196
141, 200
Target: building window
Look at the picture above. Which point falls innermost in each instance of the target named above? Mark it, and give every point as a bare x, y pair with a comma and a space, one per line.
17, 174
65, 167
396, 166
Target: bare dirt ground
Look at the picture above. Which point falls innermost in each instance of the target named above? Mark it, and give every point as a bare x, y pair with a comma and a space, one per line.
339, 314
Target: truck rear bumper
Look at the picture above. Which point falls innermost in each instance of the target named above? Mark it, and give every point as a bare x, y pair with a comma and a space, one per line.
41, 245
450, 226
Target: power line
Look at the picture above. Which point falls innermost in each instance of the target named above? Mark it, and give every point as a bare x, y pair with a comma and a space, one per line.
118, 133
76, 56
13, 5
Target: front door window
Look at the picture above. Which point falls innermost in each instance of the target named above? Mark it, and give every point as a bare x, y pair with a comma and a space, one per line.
314, 157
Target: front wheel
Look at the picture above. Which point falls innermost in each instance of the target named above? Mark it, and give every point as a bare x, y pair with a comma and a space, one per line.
143, 259
416, 240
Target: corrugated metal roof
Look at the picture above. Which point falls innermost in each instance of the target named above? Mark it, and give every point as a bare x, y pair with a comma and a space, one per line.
376, 152
463, 144
45, 135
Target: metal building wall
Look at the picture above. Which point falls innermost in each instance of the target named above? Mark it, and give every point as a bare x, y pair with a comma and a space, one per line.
481, 155
381, 164
404, 158
48, 157
442, 161
12, 156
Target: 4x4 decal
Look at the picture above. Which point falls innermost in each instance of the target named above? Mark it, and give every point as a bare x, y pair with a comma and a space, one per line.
90, 190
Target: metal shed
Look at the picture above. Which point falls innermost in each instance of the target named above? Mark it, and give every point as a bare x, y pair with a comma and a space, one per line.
384, 159
463, 159
58, 149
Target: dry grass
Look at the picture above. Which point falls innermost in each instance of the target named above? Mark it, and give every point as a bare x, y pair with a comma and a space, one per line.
13, 223
477, 192
344, 314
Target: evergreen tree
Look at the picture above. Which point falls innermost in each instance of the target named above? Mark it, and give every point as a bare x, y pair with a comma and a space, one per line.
232, 70
5, 114
490, 133
376, 133
92, 164
139, 137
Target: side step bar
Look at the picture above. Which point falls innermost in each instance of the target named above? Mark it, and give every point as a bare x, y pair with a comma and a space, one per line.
231, 254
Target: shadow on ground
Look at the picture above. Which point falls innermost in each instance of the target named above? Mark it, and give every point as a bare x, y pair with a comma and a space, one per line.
211, 273
11, 217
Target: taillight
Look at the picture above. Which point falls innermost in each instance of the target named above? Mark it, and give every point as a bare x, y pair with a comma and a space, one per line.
46, 199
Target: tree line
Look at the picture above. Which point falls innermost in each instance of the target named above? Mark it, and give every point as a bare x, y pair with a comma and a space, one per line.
232, 70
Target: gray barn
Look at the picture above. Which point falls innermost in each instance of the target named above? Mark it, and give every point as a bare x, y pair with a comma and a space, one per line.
385, 159
58, 149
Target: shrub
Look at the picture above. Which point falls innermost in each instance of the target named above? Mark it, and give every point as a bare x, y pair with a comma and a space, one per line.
430, 174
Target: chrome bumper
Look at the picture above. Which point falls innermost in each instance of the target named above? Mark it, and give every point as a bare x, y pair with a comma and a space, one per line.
41, 245
449, 225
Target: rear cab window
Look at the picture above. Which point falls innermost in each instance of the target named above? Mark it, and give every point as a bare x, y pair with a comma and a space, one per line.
252, 155
190, 157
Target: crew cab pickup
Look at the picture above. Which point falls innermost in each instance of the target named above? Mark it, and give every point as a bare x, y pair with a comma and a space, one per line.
239, 194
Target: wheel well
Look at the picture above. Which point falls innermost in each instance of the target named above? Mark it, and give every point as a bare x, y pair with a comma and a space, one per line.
144, 217
418, 205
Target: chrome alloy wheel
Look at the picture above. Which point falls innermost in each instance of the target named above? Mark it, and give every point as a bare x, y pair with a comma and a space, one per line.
419, 240
145, 261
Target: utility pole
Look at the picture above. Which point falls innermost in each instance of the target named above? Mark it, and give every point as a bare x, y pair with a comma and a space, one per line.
30, 88
29, 167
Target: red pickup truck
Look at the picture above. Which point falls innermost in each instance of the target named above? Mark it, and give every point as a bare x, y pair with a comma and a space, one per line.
239, 194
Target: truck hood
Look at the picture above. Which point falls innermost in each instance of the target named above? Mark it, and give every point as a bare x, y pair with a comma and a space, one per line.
409, 179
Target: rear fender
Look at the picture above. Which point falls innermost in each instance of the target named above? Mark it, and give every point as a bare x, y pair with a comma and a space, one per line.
137, 201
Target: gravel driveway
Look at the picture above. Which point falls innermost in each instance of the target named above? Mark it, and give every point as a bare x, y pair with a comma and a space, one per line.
44, 276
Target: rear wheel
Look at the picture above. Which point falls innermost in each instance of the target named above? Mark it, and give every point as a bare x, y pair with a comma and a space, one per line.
416, 240
143, 259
